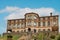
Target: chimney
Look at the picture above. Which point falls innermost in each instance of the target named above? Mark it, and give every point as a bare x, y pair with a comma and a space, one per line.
50, 14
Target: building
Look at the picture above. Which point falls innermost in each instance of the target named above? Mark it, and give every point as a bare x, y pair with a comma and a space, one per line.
34, 23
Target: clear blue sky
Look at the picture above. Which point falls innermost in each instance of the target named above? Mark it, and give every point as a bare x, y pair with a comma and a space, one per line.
23, 4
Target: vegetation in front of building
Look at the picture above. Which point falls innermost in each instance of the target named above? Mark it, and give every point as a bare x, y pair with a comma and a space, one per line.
38, 37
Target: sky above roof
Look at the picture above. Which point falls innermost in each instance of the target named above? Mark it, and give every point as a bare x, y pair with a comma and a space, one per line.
15, 9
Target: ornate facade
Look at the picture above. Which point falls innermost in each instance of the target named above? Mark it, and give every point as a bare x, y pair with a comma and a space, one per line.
32, 22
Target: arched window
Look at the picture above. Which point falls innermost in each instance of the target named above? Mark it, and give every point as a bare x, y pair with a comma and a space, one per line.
34, 30
9, 31
21, 30
18, 31
29, 29
48, 29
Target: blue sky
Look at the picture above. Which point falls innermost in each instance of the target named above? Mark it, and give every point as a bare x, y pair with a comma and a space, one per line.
7, 5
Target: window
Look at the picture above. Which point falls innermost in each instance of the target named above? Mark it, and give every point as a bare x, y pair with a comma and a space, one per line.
29, 29
43, 18
21, 30
43, 29
34, 30
48, 29
11, 26
24, 30
22, 24
39, 23
9, 31
9, 23
43, 23
48, 23
54, 17
54, 23
48, 18
29, 17
35, 23
35, 17
15, 25
18, 31
29, 23
19, 25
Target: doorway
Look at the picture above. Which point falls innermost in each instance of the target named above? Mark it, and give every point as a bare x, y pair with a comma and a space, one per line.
29, 29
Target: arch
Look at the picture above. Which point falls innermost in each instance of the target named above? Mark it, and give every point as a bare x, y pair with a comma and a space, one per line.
34, 30
9, 31
24, 30
29, 29
18, 31
48, 29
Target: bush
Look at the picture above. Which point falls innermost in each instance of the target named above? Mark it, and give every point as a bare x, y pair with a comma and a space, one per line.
58, 37
52, 36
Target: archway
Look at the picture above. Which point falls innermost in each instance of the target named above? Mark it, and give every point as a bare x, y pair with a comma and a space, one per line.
34, 30
29, 29
9, 31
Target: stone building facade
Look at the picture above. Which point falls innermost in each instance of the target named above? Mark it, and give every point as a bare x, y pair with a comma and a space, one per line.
34, 23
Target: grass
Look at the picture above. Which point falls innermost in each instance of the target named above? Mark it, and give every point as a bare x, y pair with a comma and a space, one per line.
15, 37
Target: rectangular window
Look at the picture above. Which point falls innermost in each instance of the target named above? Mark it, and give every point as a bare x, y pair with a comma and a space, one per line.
43, 29
15, 25
48, 23
54, 17
35, 24
43, 23
43, 18
29, 16
39, 23
48, 18
29, 23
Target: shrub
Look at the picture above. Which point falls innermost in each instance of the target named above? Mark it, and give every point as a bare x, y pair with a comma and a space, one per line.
58, 38
52, 36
